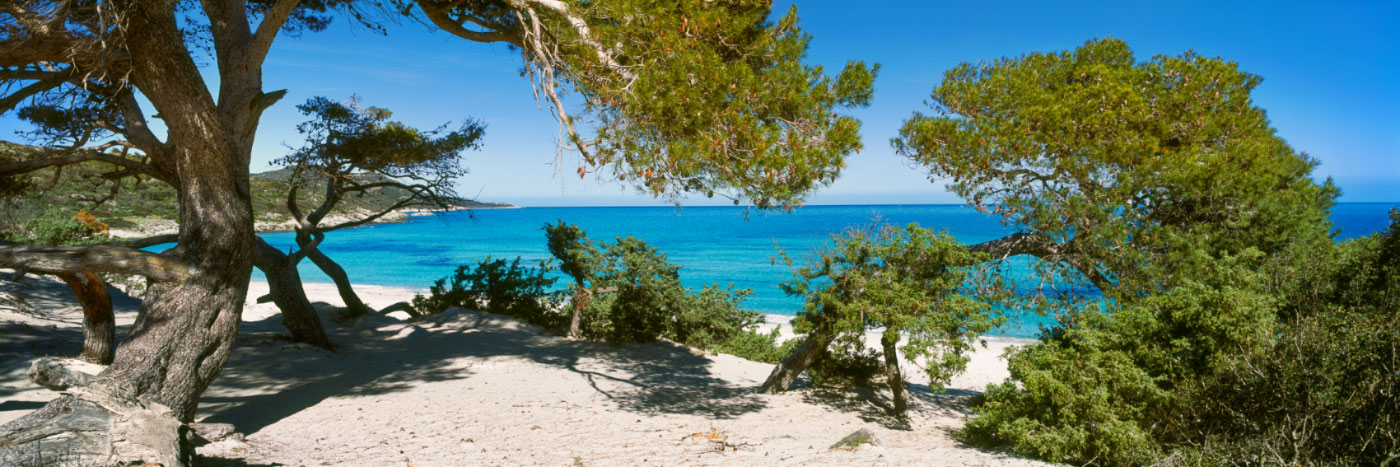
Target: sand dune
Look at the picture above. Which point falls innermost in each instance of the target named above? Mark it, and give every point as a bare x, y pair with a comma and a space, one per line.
471, 388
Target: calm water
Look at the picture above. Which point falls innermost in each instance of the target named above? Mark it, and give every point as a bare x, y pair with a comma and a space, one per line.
711, 244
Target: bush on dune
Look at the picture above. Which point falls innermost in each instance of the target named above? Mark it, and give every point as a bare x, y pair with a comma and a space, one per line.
623, 292
496, 286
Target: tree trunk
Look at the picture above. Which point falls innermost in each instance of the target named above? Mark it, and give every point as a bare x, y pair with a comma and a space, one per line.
187, 325
888, 341
354, 307
284, 284
581, 300
99, 324
786, 372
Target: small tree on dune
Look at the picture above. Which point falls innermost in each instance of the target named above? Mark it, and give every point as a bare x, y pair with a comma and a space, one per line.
909, 281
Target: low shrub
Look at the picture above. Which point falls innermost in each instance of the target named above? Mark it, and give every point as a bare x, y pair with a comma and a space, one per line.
497, 286
757, 346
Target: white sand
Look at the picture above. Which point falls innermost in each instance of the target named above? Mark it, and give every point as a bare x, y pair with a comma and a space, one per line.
470, 388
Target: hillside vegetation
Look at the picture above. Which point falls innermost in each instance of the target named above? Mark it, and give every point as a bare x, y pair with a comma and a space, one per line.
131, 202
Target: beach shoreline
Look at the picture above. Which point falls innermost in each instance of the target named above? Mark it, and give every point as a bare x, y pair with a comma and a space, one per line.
154, 227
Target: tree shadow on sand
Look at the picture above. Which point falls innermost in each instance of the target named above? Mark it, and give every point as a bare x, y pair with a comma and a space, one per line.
381, 355
55, 329
873, 404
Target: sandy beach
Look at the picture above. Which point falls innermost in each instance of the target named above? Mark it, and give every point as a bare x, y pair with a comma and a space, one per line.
471, 388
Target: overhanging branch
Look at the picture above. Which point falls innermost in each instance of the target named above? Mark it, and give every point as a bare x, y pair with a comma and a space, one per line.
1023, 243
94, 258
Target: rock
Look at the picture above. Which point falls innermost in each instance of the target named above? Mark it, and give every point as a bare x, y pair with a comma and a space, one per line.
855, 440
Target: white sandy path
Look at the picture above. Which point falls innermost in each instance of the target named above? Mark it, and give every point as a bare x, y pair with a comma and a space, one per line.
469, 388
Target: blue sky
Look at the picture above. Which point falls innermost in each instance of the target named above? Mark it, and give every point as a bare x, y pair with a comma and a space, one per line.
1330, 84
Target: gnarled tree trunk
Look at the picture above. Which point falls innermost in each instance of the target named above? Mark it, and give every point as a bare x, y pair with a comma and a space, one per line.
137, 409
888, 340
284, 285
99, 323
787, 371
353, 305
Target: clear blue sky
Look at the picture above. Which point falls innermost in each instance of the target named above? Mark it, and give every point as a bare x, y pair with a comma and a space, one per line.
1330, 84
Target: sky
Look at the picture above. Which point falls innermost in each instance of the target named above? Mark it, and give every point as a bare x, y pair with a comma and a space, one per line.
1330, 85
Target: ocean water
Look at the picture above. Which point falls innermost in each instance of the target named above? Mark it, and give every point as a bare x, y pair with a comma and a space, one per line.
724, 245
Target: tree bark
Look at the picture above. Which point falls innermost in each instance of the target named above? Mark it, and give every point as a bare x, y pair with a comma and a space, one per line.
354, 307
187, 325
99, 323
888, 340
787, 371
284, 284
581, 300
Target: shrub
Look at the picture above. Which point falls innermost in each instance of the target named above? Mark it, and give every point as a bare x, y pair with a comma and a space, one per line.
55, 227
1108, 387
634, 295
762, 347
496, 286
1327, 388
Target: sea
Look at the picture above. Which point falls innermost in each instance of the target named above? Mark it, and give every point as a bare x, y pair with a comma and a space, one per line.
712, 245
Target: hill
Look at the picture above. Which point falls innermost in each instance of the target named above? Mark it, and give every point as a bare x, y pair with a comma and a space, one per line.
147, 207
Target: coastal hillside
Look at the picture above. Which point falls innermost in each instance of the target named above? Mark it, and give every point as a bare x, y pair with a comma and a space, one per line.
144, 206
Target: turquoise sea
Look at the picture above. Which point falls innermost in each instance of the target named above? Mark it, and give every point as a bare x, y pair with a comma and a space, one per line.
712, 244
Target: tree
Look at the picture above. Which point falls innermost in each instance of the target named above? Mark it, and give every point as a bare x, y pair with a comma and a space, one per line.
701, 98
1112, 168
1162, 184
576, 255
909, 281
356, 151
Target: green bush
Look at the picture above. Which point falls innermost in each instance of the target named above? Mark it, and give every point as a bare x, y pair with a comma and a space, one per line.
635, 295
1111, 387
1327, 389
750, 344
919, 285
1241, 363
56, 227
496, 286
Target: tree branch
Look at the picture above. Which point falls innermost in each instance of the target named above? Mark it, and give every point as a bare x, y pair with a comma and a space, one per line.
1023, 243
44, 81
26, 166
272, 22
585, 35
94, 258
442, 18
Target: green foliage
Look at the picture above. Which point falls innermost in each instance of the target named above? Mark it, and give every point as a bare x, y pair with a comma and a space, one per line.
496, 286
720, 103
571, 247
757, 346
910, 280
27, 196
1223, 368
635, 295
56, 227
343, 138
1326, 390
1108, 387
1126, 165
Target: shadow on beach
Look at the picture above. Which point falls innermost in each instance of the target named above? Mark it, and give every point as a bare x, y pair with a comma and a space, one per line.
269, 379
